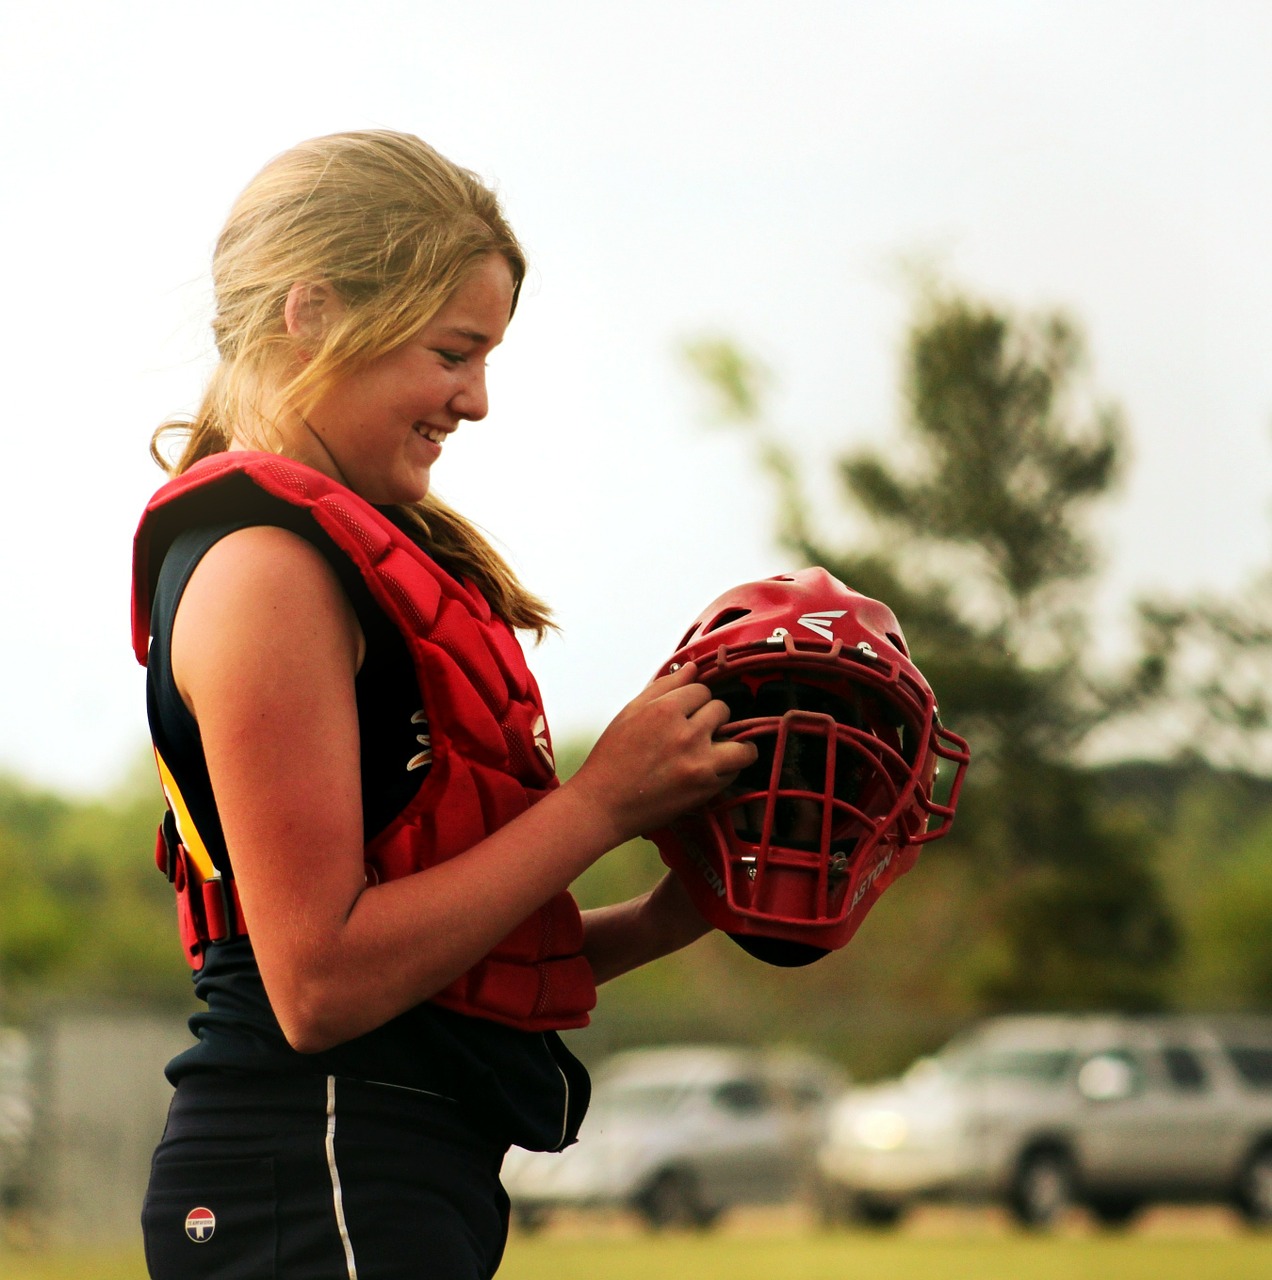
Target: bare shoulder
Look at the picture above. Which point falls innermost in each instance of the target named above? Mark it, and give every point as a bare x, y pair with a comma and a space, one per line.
260, 559
261, 598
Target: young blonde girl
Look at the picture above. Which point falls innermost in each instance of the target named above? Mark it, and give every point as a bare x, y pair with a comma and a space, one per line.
369, 846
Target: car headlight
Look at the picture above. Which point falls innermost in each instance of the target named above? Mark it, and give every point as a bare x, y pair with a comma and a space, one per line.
881, 1130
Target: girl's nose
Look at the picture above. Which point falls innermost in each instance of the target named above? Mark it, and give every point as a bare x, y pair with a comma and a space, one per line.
471, 401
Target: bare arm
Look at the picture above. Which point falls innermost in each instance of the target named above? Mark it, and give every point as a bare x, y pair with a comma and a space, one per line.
265, 649
622, 937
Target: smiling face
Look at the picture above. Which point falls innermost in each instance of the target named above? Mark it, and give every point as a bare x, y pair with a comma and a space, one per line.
380, 430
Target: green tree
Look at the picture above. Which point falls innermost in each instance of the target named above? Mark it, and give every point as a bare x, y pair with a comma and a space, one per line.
978, 537
1208, 664
1218, 828
84, 913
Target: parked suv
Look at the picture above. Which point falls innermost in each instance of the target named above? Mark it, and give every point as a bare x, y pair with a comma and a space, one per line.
681, 1134
1043, 1112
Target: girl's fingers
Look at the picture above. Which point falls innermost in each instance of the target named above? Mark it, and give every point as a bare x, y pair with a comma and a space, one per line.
682, 675
690, 699
733, 757
662, 754
716, 714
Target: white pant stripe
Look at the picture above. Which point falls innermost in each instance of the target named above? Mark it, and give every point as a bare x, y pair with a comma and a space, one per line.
337, 1198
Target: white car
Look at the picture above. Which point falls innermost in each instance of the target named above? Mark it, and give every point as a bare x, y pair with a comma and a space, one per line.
1043, 1112
682, 1134
17, 1111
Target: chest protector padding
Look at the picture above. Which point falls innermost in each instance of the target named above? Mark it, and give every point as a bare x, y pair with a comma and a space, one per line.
491, 753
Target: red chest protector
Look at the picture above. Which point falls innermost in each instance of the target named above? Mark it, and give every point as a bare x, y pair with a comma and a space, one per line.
491, 754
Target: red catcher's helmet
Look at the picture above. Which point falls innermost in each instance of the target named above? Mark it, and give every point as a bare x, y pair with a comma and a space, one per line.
790, 857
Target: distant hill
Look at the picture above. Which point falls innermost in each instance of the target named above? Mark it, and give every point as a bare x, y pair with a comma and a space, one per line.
1160, 787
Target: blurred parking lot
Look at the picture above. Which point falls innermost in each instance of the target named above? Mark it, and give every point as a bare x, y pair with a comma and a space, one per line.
1049, 1121
1157, 1128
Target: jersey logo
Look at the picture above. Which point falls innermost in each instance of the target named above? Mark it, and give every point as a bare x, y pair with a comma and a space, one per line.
540, 731
200, 1225
819, 623
421, 758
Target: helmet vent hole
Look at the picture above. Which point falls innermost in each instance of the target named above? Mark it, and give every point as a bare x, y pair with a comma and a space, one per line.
723, 619
898, 643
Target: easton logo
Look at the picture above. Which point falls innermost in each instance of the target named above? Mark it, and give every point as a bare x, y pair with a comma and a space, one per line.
200, 1225
709, 873
819, 623
868, 883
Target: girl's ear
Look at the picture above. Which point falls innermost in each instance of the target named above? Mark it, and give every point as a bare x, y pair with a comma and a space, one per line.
312, 306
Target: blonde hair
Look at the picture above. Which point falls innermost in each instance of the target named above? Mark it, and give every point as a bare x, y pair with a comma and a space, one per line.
394, 228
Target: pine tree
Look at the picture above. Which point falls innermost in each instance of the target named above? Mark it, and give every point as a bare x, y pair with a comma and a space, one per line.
978, 538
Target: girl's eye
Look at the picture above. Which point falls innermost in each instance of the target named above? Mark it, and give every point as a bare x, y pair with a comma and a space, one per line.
452, 358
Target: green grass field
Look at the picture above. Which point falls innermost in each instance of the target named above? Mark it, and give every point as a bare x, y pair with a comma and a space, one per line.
964, 1251
847, 1256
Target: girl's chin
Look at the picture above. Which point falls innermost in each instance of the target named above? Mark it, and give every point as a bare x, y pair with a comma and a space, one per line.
406, 495
395, 491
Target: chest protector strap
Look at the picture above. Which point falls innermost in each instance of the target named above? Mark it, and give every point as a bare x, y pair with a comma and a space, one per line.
491, 751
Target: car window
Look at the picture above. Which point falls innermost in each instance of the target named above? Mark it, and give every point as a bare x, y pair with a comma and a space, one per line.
1253, 1064
640, 1099
1184, 1069
803, 1095
1046, 1066
742, 1097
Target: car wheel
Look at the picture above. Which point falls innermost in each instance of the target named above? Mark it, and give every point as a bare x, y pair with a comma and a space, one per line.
1254, 1191
879, 1214
672, 1199
1113, 1211
1042, 1192
529, 1218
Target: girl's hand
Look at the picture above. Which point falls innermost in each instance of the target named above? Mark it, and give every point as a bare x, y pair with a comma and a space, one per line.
660, 757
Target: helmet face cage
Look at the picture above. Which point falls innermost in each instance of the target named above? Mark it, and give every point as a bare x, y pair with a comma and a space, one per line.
801, 844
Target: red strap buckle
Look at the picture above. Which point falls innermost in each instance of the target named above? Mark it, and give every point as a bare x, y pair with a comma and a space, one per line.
221, 909
167, 844
192, 936
207, 910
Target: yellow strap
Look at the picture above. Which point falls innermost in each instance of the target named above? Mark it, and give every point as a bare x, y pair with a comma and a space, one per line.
185, 824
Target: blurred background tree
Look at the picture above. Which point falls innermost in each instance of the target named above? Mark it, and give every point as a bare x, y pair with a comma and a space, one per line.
85, 915
977, 532
1207, 663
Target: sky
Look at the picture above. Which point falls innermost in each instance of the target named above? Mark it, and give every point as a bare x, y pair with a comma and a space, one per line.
673, 169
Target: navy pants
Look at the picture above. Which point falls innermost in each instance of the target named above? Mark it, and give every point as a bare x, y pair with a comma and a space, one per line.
321, 1178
